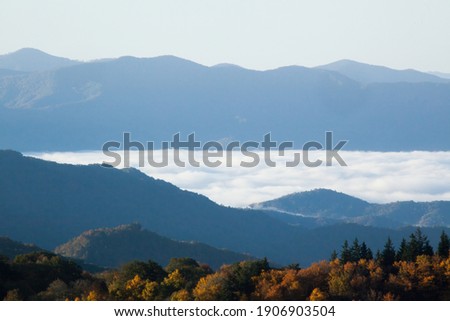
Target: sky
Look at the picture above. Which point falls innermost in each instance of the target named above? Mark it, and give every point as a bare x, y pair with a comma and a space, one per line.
256, 34
373, 176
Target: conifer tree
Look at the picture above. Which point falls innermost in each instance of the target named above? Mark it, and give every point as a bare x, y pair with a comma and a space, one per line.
388, 253
346, 254
444, 245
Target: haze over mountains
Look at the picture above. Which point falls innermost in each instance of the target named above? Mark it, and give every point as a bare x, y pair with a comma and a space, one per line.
60, 104
29, 59
369, 74
50, 103
49, 204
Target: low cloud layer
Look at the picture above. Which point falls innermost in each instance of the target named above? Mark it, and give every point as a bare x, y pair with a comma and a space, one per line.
373, 176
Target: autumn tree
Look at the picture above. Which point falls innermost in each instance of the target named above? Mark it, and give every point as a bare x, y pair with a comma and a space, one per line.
317, 295
422, 279
272, 286
231, 282
189, 272
132, 278
213, 287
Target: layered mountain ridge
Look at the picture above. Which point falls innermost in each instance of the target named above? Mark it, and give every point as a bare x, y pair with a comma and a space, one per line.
68, 105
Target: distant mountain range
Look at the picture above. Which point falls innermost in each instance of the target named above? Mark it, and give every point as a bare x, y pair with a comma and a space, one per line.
112, 247
324, 207
49, 204
50, 103
441, 74
369, 74
29, 59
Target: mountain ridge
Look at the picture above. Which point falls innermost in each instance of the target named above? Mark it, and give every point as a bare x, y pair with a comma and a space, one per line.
330, 205
112, 247
30, 60
60, 201
80, 107
368, 73
48, 204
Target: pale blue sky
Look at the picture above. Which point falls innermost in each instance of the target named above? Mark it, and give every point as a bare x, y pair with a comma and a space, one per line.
257, 34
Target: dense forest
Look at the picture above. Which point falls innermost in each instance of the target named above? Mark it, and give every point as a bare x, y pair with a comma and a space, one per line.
414, 271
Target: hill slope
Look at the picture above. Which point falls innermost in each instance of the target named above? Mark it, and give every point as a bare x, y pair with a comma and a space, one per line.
113, 247
367, 74
29, 59
335, 207
12, 248
82, 106
47, 204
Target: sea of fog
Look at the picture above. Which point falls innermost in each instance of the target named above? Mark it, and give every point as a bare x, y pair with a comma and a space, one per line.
373, 176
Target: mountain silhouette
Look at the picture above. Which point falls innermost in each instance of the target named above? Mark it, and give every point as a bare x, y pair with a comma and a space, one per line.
327, 206
112, 247
82, 106
49, 204
29, 59
367, 74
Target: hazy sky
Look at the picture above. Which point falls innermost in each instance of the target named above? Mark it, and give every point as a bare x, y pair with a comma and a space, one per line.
256, 34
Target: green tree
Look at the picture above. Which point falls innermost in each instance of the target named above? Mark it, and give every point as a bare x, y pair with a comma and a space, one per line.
355, 251
388, 254
366, 252
419, 245
403, 251
240, 277
346, 254
444, 245
146, 270
131, 279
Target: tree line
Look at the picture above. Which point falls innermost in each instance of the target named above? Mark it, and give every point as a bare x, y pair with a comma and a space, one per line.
414, 271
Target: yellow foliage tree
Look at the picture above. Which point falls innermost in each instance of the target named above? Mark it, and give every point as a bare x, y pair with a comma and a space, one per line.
181, 295
92, 296
174, 281
210, 288
150, 291
317, 295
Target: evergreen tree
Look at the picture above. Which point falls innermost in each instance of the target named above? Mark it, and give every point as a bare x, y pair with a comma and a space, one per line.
388, 253
419, 245
444, 245
346, 254
402, 254
366, 253
333, 256
355, 251
378, 256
